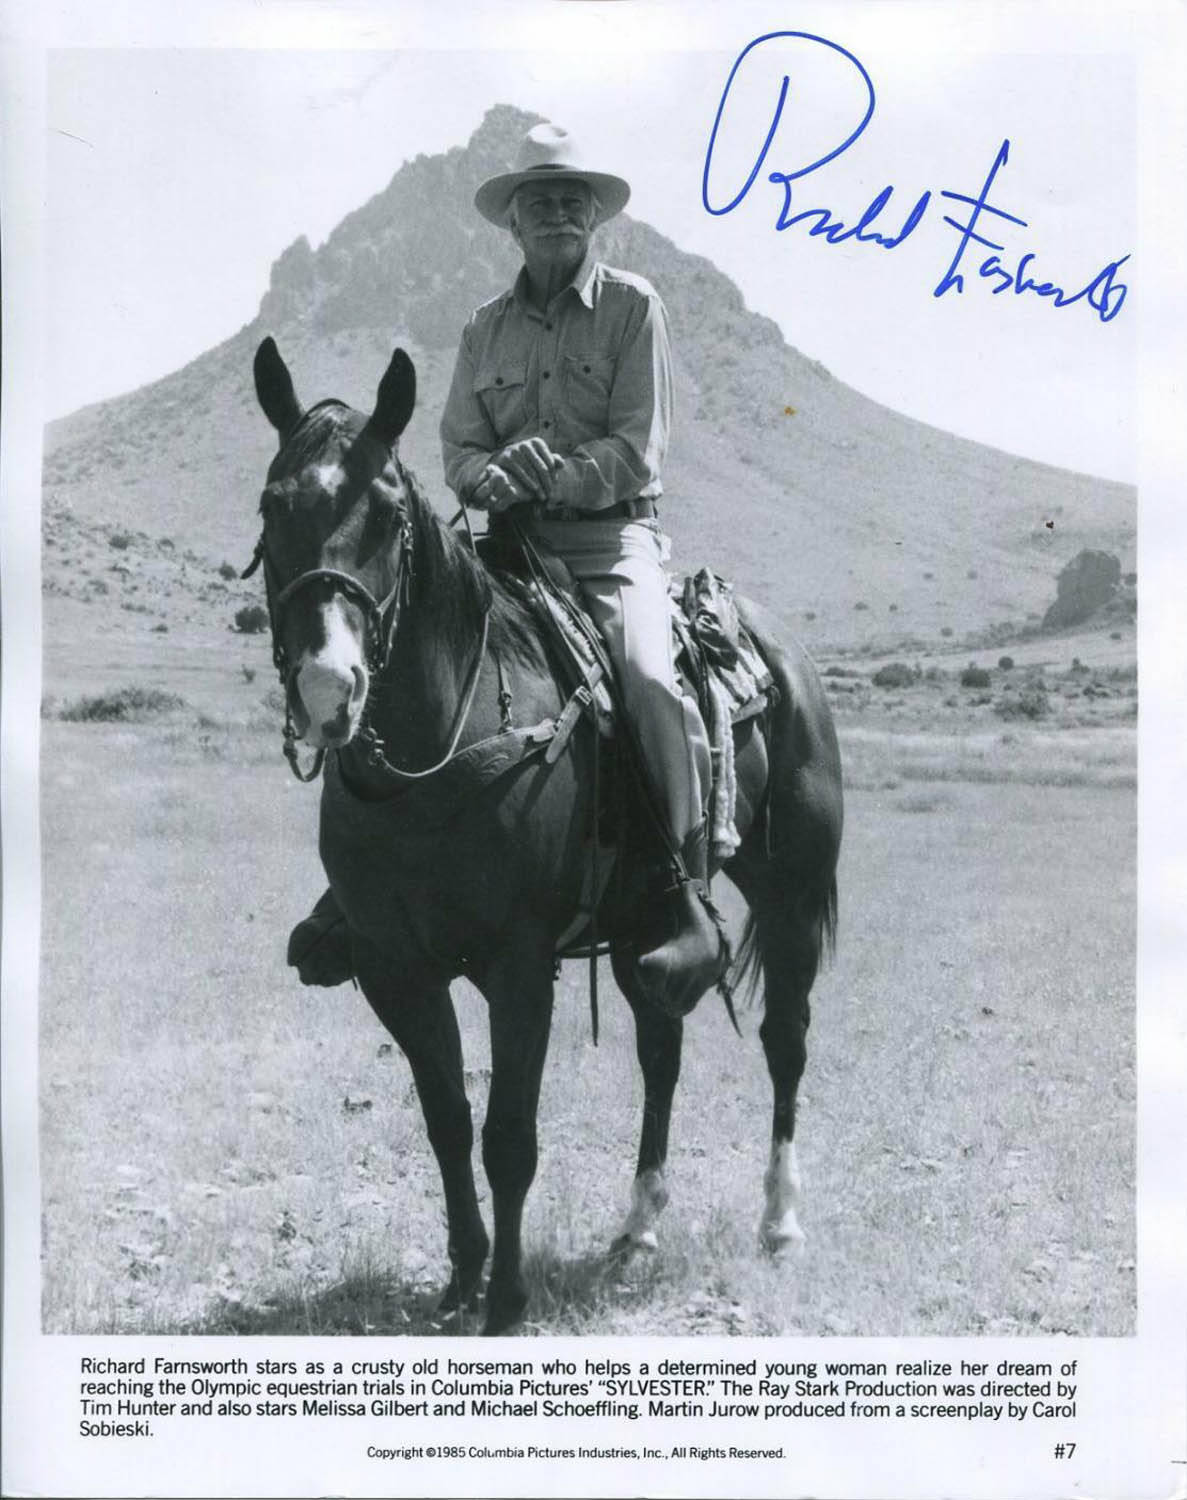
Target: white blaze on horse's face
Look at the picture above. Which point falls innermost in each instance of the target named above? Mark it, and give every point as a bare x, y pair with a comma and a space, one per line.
329, 678
330, 681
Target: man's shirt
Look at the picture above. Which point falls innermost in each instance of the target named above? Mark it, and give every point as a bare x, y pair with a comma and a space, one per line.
591, 375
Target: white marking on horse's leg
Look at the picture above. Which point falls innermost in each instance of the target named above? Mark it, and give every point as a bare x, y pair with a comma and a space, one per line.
649, 1196
332, 682
780, 1228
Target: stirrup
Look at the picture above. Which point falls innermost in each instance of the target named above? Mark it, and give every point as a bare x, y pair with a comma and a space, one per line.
319, 947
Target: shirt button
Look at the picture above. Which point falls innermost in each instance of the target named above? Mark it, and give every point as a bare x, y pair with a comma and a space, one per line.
498, 380
547, 424
547, 373
549, 327
585, 368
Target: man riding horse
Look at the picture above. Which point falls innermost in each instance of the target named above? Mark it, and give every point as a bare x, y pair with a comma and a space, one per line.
558, 416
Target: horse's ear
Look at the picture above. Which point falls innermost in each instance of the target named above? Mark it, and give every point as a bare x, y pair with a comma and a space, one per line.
274, 387
396, 399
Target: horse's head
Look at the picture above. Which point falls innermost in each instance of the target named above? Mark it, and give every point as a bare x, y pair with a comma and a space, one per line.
334, 543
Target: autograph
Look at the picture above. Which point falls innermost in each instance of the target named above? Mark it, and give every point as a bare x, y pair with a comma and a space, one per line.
1105, 294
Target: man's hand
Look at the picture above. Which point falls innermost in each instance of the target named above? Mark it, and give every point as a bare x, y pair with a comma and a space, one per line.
496, 491
531, 463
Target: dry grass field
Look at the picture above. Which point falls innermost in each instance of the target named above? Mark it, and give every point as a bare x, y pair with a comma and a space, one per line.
223, 1151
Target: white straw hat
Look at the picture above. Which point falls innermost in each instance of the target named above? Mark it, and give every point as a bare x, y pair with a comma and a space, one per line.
548, 150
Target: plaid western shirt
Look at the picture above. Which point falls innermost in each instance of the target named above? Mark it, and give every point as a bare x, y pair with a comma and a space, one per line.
591, 375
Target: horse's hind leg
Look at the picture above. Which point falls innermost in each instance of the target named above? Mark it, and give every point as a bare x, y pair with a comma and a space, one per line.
786, 869
425, 1026
789, 945
658, 1041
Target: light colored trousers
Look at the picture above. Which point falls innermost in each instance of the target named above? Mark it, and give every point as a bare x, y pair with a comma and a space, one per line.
620, 566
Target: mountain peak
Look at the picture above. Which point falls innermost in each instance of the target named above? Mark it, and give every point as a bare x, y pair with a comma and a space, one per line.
497, 139
409, 258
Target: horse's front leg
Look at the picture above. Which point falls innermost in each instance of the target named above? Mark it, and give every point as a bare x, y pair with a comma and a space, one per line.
518, 988
658, 1042
424, 1023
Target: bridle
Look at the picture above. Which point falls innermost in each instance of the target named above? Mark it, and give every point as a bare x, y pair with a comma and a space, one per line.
381, 616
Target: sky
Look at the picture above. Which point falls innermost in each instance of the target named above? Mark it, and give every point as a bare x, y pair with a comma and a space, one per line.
176, 176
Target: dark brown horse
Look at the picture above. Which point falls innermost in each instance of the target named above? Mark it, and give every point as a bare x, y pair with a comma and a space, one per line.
395, 644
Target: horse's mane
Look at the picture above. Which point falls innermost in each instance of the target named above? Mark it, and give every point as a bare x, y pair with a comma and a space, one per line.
461, 588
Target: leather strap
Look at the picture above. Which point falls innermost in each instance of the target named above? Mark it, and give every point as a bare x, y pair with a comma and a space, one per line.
624, 510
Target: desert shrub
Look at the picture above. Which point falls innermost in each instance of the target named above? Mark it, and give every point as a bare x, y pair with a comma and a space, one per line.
809, 614
946, 631
120, 540
252, 619
974, 676
161, 629
929, 575
1029, 702
835, 671
227, 570
1006, 663
894, 674
1114, 635
121, 706
893, 609
861, 604
972, 573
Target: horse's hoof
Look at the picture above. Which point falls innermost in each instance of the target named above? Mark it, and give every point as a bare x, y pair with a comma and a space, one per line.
627, 1246
503, 1313
783, 1237
461, 1295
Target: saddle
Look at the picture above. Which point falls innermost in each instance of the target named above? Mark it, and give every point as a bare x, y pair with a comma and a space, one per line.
717, 660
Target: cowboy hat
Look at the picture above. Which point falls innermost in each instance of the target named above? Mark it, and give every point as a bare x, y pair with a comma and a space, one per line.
547, 151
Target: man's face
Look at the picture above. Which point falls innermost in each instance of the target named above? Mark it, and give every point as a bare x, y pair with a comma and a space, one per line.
552, 221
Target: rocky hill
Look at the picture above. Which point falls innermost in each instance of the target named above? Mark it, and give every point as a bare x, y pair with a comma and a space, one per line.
855, 524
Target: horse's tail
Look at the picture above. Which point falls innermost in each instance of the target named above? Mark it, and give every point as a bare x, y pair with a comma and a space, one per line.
746, 968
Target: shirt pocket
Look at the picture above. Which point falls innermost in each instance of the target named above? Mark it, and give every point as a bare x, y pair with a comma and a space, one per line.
589, 379
502, 391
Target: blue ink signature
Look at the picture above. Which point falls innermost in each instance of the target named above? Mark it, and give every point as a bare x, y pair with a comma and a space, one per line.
1105, 294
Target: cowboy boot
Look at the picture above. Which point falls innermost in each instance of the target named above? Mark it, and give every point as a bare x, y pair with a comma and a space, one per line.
319, 947
690, 952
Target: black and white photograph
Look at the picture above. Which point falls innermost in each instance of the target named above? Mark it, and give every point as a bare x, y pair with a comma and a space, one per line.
573, 696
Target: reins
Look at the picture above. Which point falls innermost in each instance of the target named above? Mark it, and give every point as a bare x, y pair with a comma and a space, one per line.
373, 745
371, 742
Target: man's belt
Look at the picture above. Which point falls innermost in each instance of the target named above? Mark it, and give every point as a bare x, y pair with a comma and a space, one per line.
624, 510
